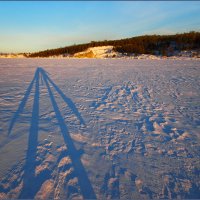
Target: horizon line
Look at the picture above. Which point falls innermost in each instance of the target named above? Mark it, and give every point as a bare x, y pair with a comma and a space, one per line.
156, 34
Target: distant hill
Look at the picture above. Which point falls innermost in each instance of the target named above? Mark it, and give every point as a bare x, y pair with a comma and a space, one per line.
165, 45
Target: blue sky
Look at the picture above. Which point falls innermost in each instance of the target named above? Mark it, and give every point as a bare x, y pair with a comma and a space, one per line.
33, 26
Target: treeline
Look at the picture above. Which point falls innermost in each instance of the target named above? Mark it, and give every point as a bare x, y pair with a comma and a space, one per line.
147, 44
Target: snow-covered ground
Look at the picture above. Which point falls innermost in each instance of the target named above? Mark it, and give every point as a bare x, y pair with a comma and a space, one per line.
99, 128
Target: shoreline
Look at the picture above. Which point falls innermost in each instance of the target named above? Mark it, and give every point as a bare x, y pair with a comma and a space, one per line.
142, 57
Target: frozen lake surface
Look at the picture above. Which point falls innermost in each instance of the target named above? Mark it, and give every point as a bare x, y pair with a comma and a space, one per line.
99, 129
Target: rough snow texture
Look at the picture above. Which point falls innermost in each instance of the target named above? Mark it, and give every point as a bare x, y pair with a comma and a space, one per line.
105, 129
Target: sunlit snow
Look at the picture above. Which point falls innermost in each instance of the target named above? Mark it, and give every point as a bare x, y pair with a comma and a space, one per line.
99, 129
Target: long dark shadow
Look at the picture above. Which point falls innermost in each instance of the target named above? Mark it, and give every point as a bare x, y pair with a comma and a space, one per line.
31, 183
22, 104
29, 186
66, 99
85, 185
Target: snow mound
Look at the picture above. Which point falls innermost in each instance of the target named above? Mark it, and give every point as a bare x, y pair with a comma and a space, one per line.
98, 52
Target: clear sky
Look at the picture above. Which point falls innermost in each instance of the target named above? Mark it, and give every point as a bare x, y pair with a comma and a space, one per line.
33, 26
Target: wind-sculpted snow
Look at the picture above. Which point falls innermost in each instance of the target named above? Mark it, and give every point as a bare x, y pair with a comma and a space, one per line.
99, 129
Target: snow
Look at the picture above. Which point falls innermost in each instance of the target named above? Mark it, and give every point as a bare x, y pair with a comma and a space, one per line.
98, 52
103, 52
99, 128
108, 52
12, 56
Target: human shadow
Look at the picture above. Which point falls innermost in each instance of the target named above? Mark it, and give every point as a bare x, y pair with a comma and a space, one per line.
22, 103
31, 183
67, 100
83, 180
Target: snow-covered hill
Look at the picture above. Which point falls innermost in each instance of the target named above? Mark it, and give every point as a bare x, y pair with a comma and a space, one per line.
98, 52
108, 52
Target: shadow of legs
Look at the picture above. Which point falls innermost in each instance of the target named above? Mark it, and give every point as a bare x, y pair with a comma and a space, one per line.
85, 185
